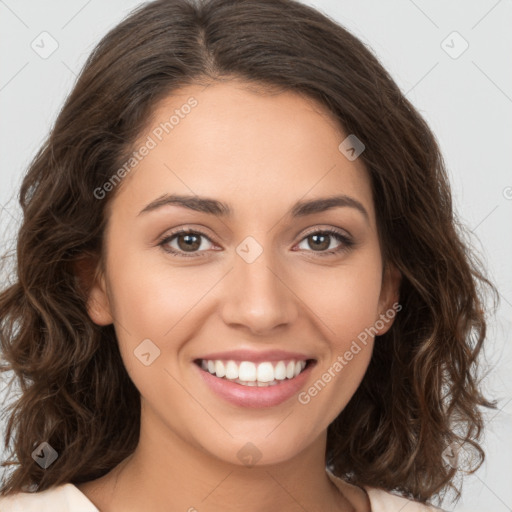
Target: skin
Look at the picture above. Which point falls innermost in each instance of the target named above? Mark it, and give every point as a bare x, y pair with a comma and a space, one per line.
259, 153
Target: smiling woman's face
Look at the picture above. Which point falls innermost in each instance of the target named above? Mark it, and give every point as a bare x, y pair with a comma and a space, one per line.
260, 283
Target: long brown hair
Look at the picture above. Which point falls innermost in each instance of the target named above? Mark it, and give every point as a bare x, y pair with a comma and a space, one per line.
420, 393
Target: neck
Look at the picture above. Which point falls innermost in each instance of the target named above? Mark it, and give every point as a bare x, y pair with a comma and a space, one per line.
166, 470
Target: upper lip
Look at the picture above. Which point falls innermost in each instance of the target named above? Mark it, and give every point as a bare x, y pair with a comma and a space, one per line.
255, 356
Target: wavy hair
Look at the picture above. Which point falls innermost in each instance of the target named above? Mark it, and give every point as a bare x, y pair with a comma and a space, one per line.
421, 392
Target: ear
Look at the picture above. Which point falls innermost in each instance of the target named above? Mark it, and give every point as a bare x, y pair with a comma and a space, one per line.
389, 297
92, 281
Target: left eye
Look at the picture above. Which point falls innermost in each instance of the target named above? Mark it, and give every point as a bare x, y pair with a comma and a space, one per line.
321, 241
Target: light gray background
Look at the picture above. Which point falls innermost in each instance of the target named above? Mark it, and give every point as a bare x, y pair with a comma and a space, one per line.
467, 101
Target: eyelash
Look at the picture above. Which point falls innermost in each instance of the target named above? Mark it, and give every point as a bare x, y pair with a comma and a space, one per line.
347, 243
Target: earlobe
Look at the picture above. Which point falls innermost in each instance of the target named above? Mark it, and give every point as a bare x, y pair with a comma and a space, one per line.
389, 298
92, 282
98, 305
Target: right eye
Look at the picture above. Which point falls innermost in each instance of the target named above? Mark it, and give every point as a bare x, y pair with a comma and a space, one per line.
188, 243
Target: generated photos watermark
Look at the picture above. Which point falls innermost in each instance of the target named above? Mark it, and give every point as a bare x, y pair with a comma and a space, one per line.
342, 360
152, 140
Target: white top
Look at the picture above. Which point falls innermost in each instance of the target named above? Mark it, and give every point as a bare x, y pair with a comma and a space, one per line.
67, 498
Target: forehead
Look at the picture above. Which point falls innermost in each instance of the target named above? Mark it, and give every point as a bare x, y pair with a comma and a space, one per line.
249, 148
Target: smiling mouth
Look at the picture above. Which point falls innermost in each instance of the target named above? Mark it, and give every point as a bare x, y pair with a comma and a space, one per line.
247, 373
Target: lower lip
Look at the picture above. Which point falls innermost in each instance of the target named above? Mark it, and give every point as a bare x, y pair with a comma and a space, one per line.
253, 396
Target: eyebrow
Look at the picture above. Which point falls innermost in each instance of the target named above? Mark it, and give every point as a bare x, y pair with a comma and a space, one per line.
220, 209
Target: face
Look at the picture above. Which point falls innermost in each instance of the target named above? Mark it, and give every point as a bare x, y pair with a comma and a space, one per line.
266, 275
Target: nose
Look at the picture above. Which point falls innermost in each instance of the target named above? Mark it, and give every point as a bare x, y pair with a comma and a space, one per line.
258, 297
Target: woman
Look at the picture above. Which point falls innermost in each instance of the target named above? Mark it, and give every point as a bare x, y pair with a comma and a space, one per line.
240, 279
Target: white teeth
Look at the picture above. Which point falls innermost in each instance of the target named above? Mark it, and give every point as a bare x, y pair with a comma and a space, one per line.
290, 370
247, 371
265, 372
231, 370
252, 374
280, 371
220, 370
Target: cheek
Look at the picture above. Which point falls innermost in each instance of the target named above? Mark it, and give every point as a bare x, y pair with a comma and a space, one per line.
347, 304
151, 298
155, 302
345, 299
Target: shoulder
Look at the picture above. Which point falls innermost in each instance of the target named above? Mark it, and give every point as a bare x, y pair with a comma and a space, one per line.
64, 498
383, 501
380, 500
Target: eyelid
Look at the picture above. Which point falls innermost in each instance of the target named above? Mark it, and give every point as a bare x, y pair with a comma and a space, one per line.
326, 228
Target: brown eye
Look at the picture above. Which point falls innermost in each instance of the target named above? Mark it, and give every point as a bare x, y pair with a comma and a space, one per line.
320, 242
186, 243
